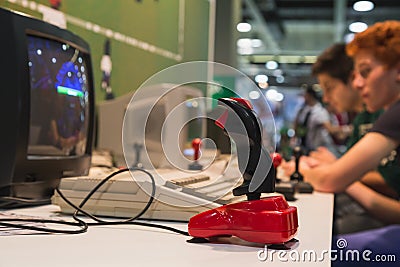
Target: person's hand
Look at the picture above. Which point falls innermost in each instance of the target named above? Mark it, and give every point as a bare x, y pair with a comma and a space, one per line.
305, 163
308, 163
323, 155
287, 167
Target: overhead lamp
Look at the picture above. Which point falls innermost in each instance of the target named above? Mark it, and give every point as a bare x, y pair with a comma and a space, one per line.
254, 95
243, 27
263, 85
274, 95
280, 79
261, 78
244, 43
256, 43
363, 6
262, 81
271, 65
291, 132
244, 46
358, 26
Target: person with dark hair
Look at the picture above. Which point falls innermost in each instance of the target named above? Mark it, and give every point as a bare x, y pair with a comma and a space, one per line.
312, 123
335, 62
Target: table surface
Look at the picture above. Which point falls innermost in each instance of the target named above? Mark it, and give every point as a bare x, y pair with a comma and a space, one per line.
129, 245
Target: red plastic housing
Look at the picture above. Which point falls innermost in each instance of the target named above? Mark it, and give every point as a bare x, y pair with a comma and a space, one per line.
268, 220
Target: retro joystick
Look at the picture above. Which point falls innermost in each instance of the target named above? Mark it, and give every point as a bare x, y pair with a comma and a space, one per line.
267, 220
296, 175
241, 123
196, 155
297, 178
276, 161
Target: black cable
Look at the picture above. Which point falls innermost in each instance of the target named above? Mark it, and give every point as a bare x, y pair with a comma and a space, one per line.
8, 202
78, 209
128, 221
104, 166
98, 222
19, 202
142, 224
82, 224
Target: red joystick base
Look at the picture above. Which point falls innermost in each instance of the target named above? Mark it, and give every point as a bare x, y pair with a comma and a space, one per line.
268, 220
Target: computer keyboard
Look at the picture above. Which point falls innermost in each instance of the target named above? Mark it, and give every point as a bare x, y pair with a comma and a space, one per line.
178, 196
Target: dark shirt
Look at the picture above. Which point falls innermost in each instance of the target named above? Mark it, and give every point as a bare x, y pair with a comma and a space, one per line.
388, 124
362, 123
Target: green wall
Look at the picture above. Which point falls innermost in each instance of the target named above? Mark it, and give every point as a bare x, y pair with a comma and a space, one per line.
151, 29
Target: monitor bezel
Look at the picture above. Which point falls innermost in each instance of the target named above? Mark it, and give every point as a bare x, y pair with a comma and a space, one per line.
17, 168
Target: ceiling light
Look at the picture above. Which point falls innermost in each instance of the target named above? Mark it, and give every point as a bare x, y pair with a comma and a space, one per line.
274, 95
271, 65
243, 27
358, 26
291, 133
261, 78
244, 46
254, 95
256, 43
280, 79
363, 6
263, 85
244, 43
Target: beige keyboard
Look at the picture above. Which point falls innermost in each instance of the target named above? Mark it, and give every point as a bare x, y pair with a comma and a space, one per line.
179, 195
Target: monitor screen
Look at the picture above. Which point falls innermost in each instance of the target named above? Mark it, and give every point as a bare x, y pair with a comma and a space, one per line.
59, 98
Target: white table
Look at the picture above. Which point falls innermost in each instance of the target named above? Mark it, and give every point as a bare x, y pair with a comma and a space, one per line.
141, 246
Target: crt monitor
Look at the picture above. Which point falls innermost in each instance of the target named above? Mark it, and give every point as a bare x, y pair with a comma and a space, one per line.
47, 108
160, 124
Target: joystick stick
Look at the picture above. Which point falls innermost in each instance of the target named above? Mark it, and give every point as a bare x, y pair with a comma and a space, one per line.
268, 220
297, 177
242, 124
276, 161
138, 149
196, 148
196, 155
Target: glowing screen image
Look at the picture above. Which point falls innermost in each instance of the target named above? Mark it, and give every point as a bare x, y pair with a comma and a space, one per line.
59, 98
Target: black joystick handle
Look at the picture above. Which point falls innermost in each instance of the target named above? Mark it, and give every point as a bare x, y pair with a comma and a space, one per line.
300, 185
138, 149
297, 176
242, 124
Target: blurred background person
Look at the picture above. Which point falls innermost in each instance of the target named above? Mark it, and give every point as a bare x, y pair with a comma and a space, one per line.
312, 123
